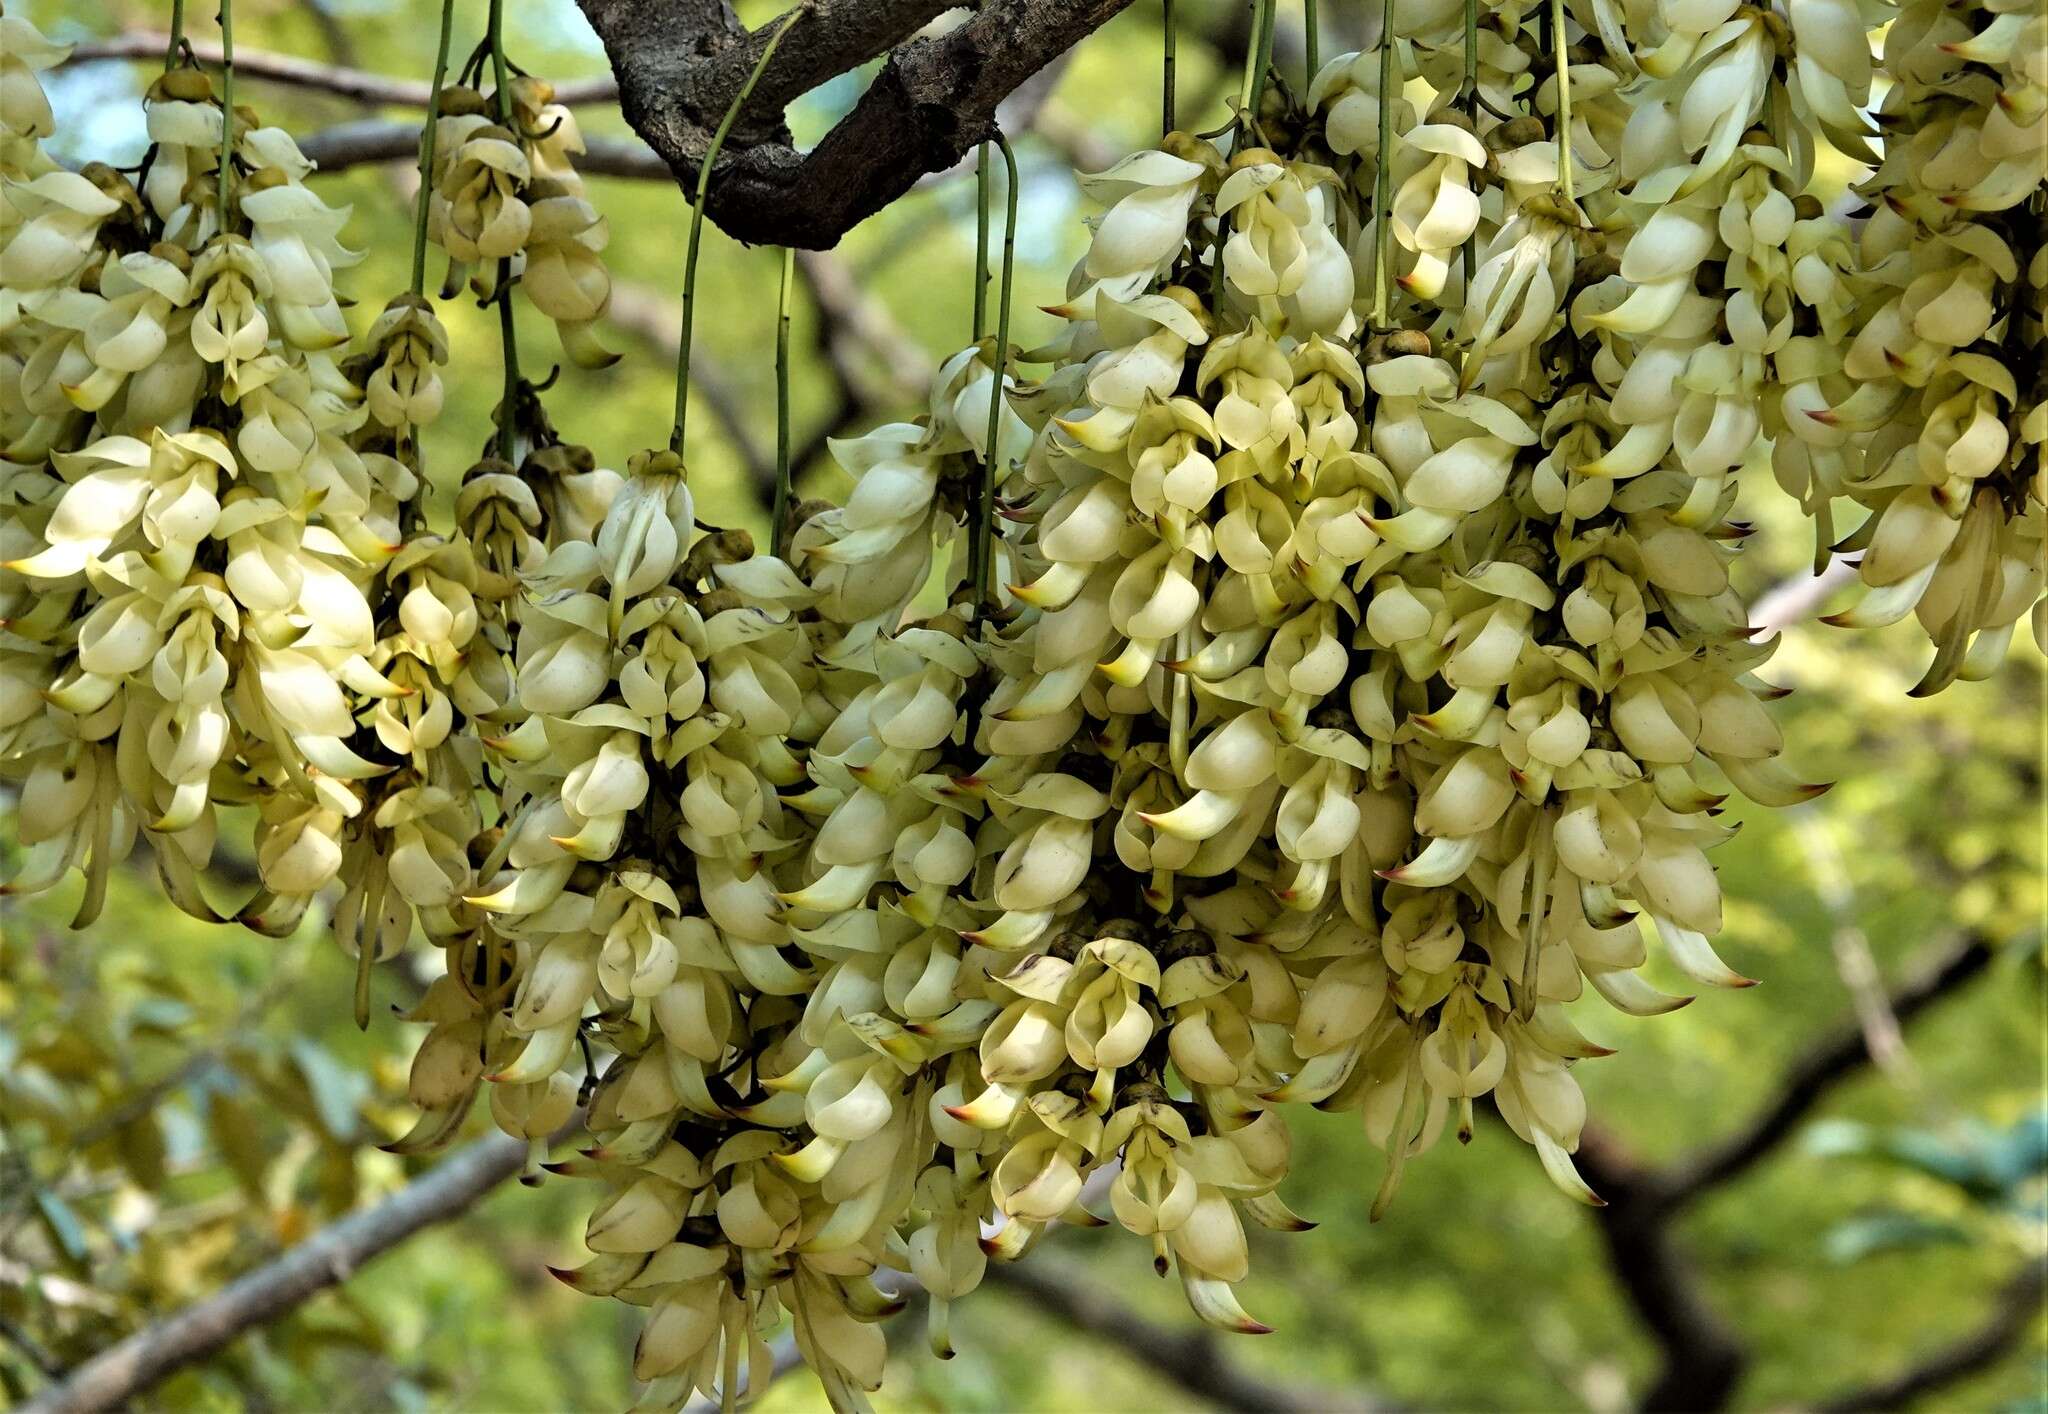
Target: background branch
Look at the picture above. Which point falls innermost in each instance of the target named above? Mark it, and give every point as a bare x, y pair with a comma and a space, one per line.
357, 85
1798, 598
1703, 1359
2011, 1321
1190, 1357
1811, 1077
875, 367
124, 1370
345, 145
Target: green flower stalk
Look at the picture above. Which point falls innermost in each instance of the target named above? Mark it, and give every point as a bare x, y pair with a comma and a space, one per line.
679, 434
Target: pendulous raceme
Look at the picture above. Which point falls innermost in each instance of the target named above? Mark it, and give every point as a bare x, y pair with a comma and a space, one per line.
1333, 669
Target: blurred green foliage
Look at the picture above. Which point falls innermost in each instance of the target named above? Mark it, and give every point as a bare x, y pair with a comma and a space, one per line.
181, 1102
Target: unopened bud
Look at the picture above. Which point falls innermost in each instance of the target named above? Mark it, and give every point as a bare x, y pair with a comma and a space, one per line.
1515, 133
182, 86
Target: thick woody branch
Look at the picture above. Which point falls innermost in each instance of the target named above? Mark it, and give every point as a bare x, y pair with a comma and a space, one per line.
124, 1370
835, 37
368, 140
1701, 1359
679, 67
356, 85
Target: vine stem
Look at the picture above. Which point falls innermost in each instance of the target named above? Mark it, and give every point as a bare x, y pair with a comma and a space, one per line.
1470, 94
1561, 59
508, 330
981, 556
1257, 60
227, 105
1167, 120
732, 113
427, 134
1256, 57
1312, 46
1383, 180
981, 222
177, 35
778, 532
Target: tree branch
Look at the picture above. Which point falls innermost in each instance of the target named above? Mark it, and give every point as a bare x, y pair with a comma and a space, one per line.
1854, 962
347, 145
124, 1370
356, 85
858, 321
1702, 1359
2010, 1321
1795, 599
934, 98
1190, 1358
1812, 1077
33, 1352
852, 331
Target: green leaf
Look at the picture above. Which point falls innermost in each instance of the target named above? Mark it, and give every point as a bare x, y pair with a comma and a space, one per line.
1838, 1138
141, 1146
33, 1093
64, 1227
336, 1089
1959, 1161
235, 1135
2021, 1152
1889, 1231
162, 1016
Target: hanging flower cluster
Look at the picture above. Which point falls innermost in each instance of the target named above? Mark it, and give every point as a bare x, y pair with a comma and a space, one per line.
189, 529
1945, 423
507, 205
1337, 671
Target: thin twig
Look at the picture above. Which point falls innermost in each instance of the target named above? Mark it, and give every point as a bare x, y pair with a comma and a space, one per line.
508, 331
2011, 1322
345, 145
679, 435
994, 466
1794, 600
48, 1364
1191, 1358
652, 314
877, 367
1882, 1036
356, 85
785, 468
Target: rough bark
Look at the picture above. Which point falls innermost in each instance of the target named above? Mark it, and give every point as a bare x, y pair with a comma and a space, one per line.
679, 67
